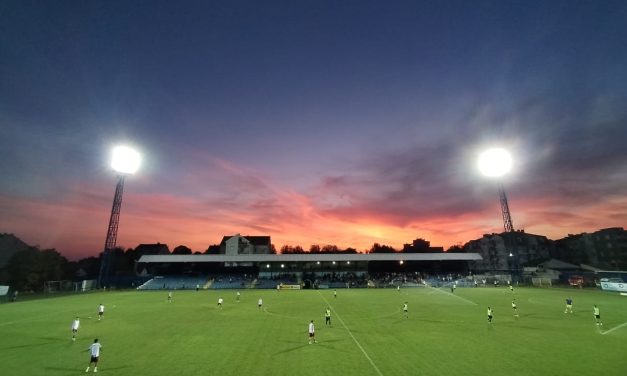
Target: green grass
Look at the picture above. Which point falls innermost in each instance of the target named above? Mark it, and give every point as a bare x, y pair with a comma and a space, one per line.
143, 334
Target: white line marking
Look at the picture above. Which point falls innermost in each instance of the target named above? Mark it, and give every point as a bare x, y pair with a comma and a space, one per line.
614, 328
352, 336
458, 297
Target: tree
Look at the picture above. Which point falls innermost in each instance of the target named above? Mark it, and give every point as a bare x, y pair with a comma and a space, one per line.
182, 250
288, 249
30, 268
213, 249
119, 262
456, 249
315, 248
90, 266
330, 249
378, 248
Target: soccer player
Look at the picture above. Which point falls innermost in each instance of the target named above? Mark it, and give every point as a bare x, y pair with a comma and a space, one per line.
511, 288
405, 310
398, 288
75, 324
515, 308
259, 303
453, 286
569, 305
220, 301
94, 350
100, 312
312, 333
597, 315
169, 296
197, 287
489, 314
237, 296
335, 293
327, 317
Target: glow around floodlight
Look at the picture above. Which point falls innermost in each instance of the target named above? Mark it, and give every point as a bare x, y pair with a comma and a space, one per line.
125, 160
495, 162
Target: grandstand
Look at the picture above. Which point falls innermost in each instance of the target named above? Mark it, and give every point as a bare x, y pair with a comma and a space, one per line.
174, 283
266, 271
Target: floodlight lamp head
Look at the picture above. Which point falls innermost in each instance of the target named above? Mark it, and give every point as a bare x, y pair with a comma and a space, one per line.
125, 160
495, 162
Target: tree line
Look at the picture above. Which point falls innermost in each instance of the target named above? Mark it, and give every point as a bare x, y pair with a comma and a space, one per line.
30, 268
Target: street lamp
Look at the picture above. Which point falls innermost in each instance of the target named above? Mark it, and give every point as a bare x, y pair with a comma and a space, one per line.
125, 161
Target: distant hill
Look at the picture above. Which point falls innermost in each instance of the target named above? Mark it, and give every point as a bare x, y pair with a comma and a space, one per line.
9, 244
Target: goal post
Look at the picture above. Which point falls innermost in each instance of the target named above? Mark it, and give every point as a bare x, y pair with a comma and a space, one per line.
541, 282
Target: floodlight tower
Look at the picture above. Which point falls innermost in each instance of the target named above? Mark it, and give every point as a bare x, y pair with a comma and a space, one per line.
125, 161
495, 163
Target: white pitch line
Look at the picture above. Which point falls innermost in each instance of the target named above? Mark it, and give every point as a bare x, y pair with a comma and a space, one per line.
352, 336
614, 328
458, 297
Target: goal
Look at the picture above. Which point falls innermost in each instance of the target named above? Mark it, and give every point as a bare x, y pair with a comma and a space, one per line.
541, 282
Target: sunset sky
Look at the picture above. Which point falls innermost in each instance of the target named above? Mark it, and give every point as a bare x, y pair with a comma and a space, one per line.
314, 122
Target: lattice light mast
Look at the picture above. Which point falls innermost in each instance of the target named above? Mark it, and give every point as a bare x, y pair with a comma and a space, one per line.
507, 218
495, 163
125, 161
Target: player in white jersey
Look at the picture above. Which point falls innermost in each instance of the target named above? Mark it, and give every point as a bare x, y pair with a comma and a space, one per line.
489, 314
405, 310
75, 324
237, 296
94, 351
100, 312
515, 308
260, 303
312, 333
597, 315
169, 296
220, 301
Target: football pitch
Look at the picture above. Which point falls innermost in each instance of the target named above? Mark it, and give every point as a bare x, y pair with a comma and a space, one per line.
444, 334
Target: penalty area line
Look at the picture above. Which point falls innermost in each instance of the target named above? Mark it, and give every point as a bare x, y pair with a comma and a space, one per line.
352, 336
614, 328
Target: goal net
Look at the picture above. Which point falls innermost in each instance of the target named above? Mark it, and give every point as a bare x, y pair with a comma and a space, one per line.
541, 282
57, 286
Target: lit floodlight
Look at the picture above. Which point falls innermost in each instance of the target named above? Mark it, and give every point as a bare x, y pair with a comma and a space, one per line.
282, 265
267, 266
401, 262
318, 262
333, 262
495, 162
125, 160
348, 262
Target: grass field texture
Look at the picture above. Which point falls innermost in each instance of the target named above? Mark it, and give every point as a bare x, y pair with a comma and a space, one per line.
445, 334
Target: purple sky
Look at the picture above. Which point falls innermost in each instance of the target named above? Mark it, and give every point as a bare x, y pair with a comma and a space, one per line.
314, 122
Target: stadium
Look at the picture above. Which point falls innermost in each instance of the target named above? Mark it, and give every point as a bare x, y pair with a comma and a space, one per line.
172, 323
